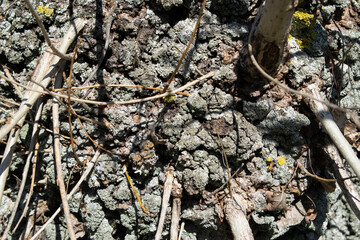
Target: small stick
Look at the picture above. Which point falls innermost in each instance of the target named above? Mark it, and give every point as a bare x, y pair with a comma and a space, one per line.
347, 187
235, 215
59, 173
135, 193
99, 103
180, 89
187, 48
8, 154
42, 74
165, 202
117, 85
8, 74
10, 102
182, 226
90, 165
69, 106
25, 170
31, 187
175, 217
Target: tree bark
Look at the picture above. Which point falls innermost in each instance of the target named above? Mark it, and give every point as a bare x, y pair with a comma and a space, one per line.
271, 34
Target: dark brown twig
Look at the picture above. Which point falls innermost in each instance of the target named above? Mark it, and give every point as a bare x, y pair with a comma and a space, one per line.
187, 48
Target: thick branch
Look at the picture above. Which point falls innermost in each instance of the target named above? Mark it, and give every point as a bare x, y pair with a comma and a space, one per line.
324, 116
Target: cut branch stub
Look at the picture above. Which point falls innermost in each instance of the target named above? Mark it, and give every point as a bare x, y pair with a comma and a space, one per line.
272, 33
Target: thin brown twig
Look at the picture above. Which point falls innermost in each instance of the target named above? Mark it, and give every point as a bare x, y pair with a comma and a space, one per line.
69, 104
65, 105
47, 66
36, 152
99, 103
187, 48
69, 107
118, 85
135, 193
59, 173
8, 74
10, 102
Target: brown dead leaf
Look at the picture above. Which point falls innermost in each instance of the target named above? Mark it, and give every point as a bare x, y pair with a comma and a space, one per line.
78, 227
351, 135
276, 201
292, 217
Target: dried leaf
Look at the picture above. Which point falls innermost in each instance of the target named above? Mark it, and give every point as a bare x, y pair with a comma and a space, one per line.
275, 201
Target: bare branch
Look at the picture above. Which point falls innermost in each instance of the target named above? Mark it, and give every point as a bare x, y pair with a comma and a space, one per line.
48, 41
324, 116
236, 217
59, 173
347, 187
165, 202
25, 171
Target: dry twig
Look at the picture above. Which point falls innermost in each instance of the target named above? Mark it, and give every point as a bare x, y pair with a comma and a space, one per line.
25, 172
90, 165
99, 103
43, 73
59, 173
347, 187
135, 193
165, 202
187, 48
176, 193
235, 214
325, 117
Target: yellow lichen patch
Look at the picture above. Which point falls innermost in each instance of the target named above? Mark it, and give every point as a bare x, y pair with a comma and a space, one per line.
302, 28
281, 160
48, 12
304, 43
170, 98
305, 18
269, 159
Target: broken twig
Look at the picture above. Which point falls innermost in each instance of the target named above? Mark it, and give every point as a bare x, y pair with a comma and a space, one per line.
165, 202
